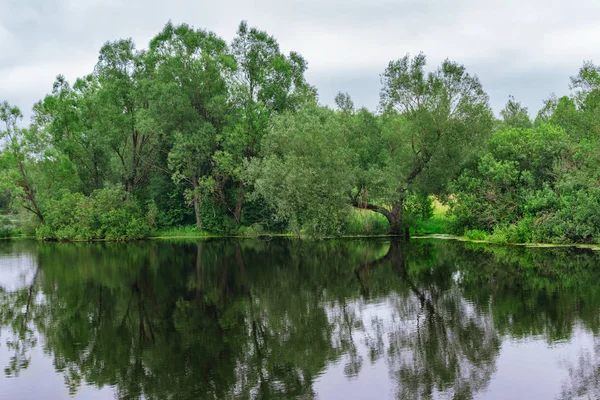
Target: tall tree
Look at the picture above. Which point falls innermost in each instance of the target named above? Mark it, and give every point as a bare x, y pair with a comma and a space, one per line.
586, 85
123, 106
18, 147
266, 82
191, 66
69, 115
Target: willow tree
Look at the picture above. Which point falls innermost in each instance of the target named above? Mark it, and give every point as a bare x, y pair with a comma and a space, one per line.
190, 84
122, 106
432, 123
69, 116
266, 82
305, 170
17, 149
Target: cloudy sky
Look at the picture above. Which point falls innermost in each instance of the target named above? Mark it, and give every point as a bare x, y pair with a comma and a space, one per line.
527, 48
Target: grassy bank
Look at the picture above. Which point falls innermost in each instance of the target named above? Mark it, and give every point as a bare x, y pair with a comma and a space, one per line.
361, 223
439, 222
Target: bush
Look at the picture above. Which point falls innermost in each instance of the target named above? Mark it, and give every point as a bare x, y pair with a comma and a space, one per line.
521, 232
253, 230
475, 234
7, 227
576, 221
500, 235
109, 213
152, 215
216, 220
258, 211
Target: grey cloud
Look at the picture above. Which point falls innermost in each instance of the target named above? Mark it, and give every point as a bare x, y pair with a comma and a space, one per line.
522, 47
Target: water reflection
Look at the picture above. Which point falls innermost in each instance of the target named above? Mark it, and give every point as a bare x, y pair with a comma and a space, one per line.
254, 319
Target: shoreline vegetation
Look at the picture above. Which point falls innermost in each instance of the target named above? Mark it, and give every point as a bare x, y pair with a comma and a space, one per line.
433, 228
194, 136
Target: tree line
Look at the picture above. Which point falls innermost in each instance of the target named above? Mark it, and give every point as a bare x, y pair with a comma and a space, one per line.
230, 137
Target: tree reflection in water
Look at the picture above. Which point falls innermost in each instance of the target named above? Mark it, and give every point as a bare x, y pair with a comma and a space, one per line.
253, 319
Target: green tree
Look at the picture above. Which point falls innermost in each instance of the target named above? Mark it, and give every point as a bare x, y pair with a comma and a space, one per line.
19, 144
433, 122
305, 172
266, 82
191, 67
69, 116
123, 105
515, 178
514, 115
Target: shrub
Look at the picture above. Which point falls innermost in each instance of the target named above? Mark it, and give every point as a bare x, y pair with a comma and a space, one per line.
215, 219
253, 230
521, 232
109, 213
475, 234
7, 227
152, 215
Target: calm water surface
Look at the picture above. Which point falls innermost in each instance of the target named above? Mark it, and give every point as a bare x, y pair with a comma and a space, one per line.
252, 319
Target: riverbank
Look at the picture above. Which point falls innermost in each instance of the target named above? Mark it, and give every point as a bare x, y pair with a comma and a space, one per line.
268, 236
595, 247
362, 224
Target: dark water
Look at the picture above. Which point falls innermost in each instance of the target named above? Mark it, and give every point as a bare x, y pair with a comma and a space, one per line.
288, 319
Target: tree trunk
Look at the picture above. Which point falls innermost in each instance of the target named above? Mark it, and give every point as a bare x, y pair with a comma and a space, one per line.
196, 202
237, 214
395, 218
29, 193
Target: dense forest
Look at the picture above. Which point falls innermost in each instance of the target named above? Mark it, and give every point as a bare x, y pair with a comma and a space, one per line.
197, 135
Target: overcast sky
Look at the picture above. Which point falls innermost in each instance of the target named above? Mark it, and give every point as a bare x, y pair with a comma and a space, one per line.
527, 48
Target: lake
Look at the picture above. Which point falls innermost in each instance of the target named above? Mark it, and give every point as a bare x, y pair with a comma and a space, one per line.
283, 318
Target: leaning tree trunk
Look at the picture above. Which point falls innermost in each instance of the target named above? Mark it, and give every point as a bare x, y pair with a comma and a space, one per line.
395, 218
29, 193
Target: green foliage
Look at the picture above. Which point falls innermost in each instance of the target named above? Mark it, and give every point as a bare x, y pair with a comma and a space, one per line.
230, 135
254, 230
475, 234
433, 122
258, 211
8, 227
216, 220
152, 215
521, 232
539, 184
304, 174
514, 115
510, 180
109, 213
